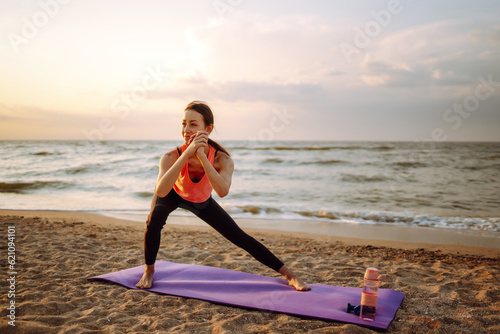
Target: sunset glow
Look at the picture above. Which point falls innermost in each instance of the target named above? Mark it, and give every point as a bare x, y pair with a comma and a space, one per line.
373, 70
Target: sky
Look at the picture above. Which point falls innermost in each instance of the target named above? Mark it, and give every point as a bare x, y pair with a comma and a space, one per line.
270, 70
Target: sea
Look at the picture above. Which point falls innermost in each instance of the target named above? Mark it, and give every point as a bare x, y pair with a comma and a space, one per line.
454, 185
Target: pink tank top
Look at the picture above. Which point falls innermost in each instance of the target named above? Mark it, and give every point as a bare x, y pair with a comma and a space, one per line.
194, 192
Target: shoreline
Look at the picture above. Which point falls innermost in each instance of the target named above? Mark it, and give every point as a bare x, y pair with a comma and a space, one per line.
482, 243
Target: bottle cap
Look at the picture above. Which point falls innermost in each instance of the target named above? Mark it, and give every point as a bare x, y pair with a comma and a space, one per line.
371, 274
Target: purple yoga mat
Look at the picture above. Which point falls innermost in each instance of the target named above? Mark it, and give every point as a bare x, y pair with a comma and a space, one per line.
236, 288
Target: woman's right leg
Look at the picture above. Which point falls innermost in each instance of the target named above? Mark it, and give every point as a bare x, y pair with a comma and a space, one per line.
152, 236
156, 220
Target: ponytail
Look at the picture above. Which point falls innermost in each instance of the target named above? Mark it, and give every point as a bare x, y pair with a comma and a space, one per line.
218, 146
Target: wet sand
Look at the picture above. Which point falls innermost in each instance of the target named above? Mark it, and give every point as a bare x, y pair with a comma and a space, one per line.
449, 287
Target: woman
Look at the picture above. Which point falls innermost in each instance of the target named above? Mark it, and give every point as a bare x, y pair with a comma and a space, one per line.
186, 178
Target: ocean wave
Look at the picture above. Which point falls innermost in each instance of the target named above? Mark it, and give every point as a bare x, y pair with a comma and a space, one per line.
315, 162
255, 209
482, 167
353, 178
243, 148
485, 224
254, 171
304, 148
324, 162
255, 194
273, 161
312, 148
318, 214
383, 148
144, 194
22, 187
80, 169
409, 164
368, 217
42, 153
122, 160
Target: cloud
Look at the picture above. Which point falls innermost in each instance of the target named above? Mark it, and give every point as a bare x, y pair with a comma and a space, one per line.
30, 122
248, 91
284, 48
489, 35
435, 54
24, 113
30, 114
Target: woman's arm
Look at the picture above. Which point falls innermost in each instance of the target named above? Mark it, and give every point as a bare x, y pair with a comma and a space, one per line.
171, 166
220, 180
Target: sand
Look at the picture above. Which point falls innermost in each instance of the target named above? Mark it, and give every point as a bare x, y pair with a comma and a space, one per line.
449, 288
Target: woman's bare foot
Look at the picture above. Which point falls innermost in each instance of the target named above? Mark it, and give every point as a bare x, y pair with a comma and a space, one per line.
146, 281
294, 280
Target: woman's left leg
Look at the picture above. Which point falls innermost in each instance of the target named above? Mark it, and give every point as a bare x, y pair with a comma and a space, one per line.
211, 212
215, 216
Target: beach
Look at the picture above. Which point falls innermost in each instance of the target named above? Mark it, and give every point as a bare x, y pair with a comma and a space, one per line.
449, 287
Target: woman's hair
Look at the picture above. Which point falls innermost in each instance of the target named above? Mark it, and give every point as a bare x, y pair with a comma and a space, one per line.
208, 117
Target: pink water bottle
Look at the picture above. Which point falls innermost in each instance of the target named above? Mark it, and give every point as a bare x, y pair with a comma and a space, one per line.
370, 294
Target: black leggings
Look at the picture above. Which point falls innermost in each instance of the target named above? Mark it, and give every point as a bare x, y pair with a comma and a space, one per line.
210, 212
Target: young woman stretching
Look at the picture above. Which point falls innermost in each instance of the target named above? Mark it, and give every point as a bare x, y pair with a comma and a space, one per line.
186, 178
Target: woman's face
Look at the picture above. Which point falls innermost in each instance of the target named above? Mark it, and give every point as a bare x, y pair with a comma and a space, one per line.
192, 122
